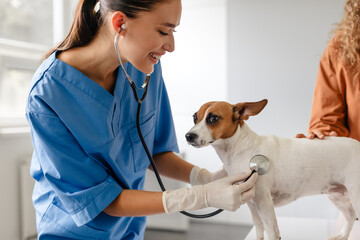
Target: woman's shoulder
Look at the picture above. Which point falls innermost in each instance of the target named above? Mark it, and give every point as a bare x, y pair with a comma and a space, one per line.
332, 53
333, 45
40, 83
48, 84
44, 67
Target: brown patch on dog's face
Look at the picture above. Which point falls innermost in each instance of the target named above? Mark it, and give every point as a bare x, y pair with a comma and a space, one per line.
199, 115
220, 119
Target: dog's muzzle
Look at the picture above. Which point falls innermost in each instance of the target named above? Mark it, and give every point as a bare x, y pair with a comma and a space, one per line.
194, 140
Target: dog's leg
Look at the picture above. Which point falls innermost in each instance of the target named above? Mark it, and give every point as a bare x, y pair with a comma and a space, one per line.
259, 226
265, 208
355, 199
342, 202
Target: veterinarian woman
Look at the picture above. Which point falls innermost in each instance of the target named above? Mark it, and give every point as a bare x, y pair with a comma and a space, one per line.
88, 162
336, 102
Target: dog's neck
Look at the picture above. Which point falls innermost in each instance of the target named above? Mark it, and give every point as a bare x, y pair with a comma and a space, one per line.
238, 148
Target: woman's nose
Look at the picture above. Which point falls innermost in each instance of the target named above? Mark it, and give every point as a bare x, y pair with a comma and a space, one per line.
169, 46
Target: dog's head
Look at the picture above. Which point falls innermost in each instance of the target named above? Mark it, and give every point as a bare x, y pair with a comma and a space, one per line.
220, 120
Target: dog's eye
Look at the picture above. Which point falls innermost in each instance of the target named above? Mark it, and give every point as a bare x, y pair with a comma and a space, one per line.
212, 119
195, 118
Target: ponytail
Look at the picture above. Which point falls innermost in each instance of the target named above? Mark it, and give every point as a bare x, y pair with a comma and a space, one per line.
84, 28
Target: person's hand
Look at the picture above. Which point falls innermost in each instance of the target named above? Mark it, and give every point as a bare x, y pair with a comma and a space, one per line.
226, 193
230, 193
200, 176
316, 134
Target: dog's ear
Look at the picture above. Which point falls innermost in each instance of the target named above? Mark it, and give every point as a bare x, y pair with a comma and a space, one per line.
242, 111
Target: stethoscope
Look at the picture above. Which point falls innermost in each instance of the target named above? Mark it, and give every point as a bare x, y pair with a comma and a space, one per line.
258, 163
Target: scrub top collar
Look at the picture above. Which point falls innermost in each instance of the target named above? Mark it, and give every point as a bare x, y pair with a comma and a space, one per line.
89, 86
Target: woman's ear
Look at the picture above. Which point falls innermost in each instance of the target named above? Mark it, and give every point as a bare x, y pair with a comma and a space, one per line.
118, 20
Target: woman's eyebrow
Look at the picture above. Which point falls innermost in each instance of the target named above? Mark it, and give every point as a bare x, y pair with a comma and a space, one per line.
171, 25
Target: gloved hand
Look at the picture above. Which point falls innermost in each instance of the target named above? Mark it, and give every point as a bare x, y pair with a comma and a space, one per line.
222, 193
200, 176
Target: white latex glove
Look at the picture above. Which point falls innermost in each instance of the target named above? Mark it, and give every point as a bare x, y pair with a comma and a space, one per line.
200, 176
222, 193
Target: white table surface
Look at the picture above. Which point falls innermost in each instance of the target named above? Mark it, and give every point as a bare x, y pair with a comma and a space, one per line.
300, 229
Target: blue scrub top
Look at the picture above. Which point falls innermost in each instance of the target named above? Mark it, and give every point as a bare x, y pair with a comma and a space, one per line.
86, 149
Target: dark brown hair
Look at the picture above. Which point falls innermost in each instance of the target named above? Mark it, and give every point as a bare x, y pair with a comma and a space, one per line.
87, 21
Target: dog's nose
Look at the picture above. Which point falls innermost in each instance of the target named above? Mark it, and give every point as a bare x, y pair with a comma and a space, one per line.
190, 137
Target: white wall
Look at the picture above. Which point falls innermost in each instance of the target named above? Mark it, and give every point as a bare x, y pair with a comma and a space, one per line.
274, 51
196, 72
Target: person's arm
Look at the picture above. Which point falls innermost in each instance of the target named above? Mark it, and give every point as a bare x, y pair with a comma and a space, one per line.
328, 112
222, 193
136, 203
171, 165
143, 203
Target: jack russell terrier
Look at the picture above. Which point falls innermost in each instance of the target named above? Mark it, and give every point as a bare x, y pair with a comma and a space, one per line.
298, 167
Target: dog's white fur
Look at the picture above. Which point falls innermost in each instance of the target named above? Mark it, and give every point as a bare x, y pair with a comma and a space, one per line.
298, 167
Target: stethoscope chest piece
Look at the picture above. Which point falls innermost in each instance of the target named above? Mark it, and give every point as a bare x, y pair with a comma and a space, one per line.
260, 164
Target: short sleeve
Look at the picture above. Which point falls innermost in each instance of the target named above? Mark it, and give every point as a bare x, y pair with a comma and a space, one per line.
165, 136
84, 187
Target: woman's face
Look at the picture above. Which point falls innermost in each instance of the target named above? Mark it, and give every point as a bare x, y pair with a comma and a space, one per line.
150, 35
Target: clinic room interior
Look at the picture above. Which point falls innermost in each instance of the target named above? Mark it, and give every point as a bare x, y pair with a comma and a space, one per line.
225, 50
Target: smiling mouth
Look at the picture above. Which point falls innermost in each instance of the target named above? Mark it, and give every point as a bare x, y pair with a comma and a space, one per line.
154, 56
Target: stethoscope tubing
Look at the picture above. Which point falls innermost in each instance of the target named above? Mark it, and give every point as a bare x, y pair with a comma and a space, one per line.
139, 102
152, 162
